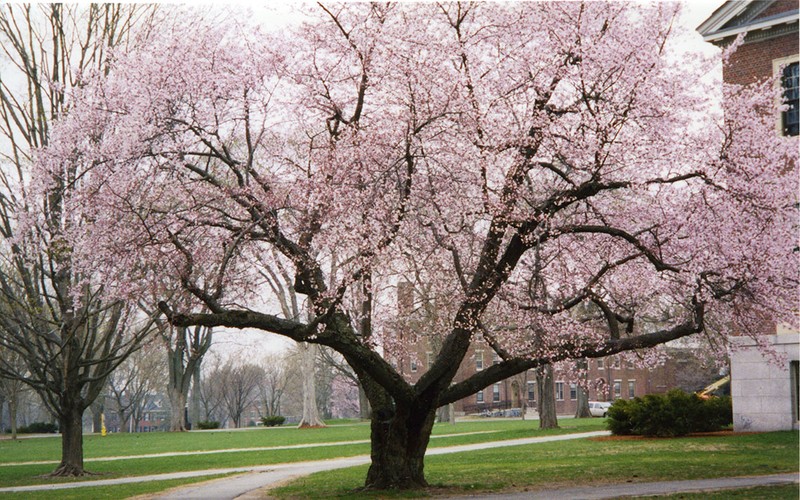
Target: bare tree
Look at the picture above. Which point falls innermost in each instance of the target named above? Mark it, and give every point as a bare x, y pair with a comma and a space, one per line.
273, 384
210, 392
11, 388
240, 385
133, 381
185, 348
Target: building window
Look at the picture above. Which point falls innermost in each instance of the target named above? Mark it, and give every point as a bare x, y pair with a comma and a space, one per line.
559, 391
617, 389
531, 391
413, 366
495, 358
496, 393
600, 364
479, 397
631, 389
479, 360
428, 359
616, 363
573, 392
790, 119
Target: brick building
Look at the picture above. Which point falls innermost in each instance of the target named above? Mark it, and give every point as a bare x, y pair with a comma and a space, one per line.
765, 394
607, 378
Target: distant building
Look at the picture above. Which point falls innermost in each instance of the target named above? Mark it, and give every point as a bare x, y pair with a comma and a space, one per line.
765, 393
608, 378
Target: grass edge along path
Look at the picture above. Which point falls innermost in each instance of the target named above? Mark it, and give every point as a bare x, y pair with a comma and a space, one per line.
231, 450
328, 464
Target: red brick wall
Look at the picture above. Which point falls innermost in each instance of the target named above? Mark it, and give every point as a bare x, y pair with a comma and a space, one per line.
753, 61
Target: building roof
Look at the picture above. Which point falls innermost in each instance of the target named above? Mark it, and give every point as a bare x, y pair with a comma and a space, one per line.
738, 16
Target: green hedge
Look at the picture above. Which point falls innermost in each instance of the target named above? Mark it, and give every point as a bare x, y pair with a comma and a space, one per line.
207, 424
675, 413
273, 420
37, 428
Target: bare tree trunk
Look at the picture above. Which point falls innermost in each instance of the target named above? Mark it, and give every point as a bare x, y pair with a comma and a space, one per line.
12, 414
71, 424
582, 411
311, 416
97, 412
547, 397
177, 401
194, 401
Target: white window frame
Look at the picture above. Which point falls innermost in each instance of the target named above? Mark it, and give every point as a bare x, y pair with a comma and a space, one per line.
777, 65
559, 391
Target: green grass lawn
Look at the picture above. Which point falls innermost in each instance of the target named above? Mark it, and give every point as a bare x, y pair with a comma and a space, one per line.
517, 468
580, 462
113, 445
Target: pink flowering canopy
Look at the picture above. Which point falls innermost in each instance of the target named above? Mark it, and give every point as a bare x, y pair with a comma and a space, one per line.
555, 177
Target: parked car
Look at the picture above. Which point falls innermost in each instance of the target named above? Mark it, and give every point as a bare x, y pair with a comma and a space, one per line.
598, 408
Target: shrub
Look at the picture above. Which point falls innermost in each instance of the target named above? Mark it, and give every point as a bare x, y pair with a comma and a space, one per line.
208, 424
675, 413
619, 418
38, 428
273, 420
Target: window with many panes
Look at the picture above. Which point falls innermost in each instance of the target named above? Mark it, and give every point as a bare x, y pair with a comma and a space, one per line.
496, 393
560, 391
479, 360
531, 391
479, 397
617, 389
573, 392
790, 119
631, 389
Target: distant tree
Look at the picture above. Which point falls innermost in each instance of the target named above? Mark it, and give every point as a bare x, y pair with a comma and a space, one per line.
211, 392
133, 381
239, 383
273, 384
11, 388
185, 349
546, 396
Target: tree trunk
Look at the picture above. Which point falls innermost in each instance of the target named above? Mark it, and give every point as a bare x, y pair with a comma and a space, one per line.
123, 421
547, 397
363, 404
399, 439
177, 401
311, 416
582, 411
583, 404
71, 423
97, 412
12, 414
194, 401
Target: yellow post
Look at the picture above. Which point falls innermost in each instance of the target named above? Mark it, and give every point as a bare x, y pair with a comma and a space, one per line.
102, 424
